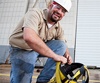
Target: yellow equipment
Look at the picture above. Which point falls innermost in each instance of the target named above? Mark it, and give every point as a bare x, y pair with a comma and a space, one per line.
70, 73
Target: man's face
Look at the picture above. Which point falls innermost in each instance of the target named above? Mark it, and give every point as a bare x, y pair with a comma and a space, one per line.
56, 12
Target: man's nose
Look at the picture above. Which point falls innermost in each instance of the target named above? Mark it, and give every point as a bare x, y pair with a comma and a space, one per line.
60, 11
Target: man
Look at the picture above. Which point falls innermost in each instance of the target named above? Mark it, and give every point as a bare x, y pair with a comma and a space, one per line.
39, 33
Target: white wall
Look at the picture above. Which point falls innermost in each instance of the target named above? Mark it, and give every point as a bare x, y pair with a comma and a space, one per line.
10, 13
88, 33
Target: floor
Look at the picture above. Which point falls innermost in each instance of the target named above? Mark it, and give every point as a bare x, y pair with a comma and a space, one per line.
5, 74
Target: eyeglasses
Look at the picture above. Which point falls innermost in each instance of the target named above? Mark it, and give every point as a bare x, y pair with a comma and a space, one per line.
57, 6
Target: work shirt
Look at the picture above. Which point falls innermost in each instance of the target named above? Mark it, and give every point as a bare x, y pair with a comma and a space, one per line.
35, 19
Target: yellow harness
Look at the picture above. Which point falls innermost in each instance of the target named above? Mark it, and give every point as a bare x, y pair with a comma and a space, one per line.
70, 73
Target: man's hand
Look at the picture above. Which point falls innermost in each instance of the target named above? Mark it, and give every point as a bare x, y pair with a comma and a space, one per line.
68, 57
60, 58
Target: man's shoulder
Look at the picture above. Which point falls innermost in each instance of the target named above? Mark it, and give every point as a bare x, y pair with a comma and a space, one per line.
38, 10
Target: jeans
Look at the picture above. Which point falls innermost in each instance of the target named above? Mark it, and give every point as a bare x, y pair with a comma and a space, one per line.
23, 63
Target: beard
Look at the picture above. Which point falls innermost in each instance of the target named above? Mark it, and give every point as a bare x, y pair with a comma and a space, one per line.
54, 18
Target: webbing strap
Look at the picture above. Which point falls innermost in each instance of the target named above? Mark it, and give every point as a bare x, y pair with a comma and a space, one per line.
74, 77
80, 72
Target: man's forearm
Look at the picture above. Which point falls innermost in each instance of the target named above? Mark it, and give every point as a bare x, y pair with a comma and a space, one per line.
35, 42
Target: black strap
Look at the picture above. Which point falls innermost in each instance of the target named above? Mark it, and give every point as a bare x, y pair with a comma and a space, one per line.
67, 70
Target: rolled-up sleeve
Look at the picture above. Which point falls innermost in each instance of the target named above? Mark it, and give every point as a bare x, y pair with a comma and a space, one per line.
31, 20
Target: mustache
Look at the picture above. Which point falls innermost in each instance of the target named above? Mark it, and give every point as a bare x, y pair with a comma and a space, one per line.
58, 14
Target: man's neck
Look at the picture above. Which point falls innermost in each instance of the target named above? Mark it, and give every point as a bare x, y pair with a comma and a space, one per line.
50, 22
